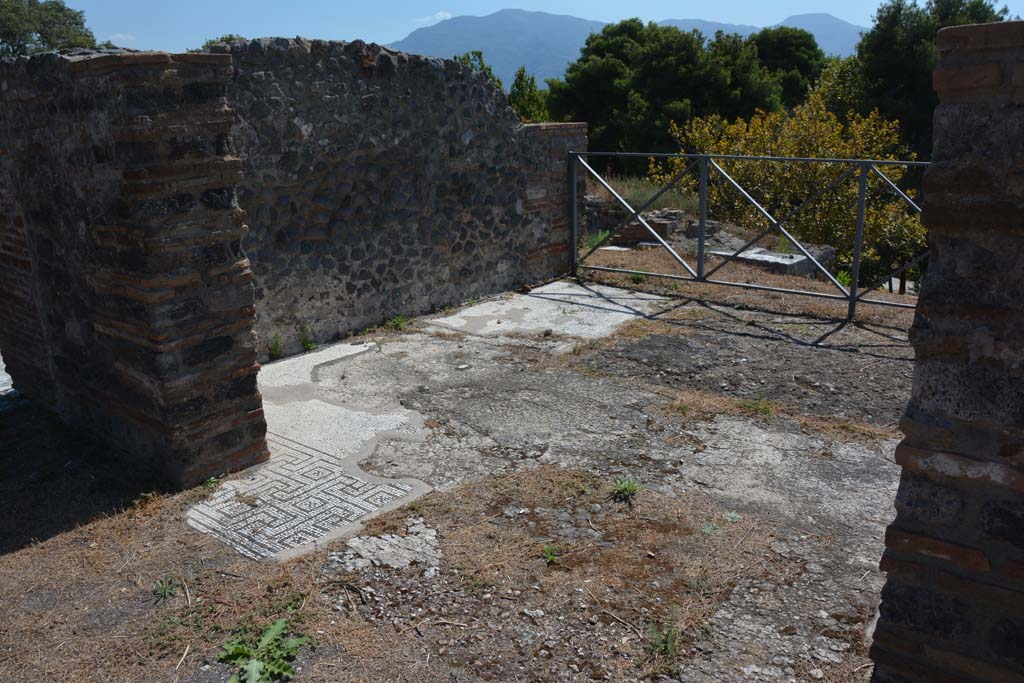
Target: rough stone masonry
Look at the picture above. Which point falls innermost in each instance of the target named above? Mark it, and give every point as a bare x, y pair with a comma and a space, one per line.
139, 292
953, 605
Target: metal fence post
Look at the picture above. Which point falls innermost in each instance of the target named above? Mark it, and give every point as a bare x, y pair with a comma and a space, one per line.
573, 215
702, 228
858, 241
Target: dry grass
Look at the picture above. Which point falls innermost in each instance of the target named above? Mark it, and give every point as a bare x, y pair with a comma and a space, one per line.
79, 606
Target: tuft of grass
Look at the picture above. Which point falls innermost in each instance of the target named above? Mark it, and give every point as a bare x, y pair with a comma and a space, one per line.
844, 277
307, 343
663, 643
266, 660
397, 324
637, 278
164, 589
552, 552
638, 189
710, 529
594, 240
757, 406
274, 350
625, 490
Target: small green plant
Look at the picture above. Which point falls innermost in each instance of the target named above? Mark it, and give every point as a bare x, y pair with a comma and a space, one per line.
145, 497
268, 660
164, 589
274, 350
552, 552
307, 343
732, 517
663, 639
593, 240
625, 490
710, 529
784, 246
584, 490
397, 324
844, 278
637, 278
757, 406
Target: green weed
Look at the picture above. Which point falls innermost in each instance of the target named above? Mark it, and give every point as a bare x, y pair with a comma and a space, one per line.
625, 490
164, 589
397, 324
274, 350
757, 406
267, 660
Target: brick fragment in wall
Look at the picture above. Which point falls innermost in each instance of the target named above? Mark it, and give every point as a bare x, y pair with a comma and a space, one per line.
953, 605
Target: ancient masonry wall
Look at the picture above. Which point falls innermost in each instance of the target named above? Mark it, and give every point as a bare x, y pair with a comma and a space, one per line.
127, 302
376, 184
379, 183
953, 606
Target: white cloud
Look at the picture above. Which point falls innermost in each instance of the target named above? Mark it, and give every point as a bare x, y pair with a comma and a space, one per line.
121, 38
435, 17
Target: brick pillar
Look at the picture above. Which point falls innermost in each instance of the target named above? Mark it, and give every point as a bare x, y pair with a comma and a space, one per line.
953, 605
120, 230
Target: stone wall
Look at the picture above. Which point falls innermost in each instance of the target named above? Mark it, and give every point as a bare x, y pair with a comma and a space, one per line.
127, 302
379, 183
953, 606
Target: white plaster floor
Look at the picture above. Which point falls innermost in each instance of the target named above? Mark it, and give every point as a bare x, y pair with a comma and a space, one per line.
312, 491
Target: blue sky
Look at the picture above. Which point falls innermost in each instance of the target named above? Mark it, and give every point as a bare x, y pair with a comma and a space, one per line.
181, 24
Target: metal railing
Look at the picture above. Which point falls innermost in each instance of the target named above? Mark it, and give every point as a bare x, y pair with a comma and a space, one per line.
705, 164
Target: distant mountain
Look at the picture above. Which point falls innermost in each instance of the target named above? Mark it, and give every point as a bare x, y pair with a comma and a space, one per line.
834, 36
709, 28
547, 43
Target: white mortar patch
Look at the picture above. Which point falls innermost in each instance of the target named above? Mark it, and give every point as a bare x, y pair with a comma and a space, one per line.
585, 311
5, 379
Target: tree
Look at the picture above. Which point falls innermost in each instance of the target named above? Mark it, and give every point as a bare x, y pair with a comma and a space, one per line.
526, 98
794, 56
893, 235
632, 79
898, 55
30, 26
475, 61
841, 87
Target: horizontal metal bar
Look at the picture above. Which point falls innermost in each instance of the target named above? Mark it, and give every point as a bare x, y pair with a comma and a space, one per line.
745, 285
606, 269
643, 222
739, 157
898, 191
890, 304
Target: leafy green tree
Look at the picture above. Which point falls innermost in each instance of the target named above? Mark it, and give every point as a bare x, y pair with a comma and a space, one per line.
30, 26
632, 79
893, 235
794, 56
898, 55
526, 98
475, 61
841, 87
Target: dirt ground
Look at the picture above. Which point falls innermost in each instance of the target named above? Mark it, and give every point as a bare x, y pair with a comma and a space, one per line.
760, 433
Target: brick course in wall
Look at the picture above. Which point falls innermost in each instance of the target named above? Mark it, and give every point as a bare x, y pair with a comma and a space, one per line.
128, 303
953, 605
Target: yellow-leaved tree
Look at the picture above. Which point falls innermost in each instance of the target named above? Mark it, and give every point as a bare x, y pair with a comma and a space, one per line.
893, 234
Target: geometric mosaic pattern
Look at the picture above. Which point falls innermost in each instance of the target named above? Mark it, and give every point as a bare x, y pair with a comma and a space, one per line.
298, 497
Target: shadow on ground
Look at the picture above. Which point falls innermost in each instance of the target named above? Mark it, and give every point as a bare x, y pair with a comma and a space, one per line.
53, 477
